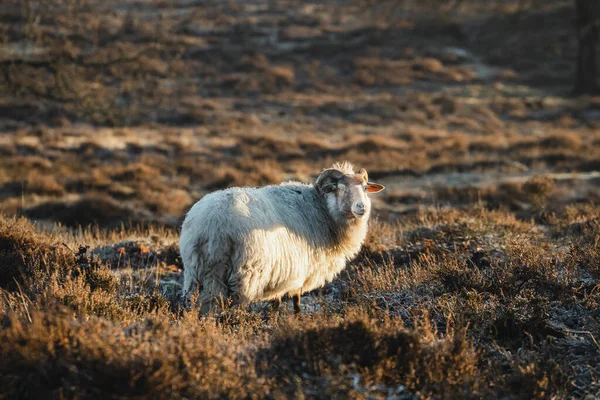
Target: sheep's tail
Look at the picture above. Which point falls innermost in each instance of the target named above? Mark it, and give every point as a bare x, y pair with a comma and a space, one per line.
192, 269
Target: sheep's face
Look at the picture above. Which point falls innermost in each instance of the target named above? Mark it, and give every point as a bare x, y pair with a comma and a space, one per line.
346, 194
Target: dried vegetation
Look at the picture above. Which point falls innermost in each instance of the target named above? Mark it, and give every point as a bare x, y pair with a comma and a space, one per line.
445, 304
480, 277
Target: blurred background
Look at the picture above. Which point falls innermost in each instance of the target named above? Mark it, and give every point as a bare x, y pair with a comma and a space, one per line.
479, 277
118, 112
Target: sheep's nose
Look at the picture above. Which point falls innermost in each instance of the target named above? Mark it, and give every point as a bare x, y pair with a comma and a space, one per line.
358, 209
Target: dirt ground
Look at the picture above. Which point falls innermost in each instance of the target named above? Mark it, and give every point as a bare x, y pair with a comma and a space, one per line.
480, 276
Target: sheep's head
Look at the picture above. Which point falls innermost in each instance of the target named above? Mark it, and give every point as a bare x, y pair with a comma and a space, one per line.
346, 191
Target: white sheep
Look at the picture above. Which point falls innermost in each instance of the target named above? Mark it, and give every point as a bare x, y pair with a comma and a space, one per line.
253, 244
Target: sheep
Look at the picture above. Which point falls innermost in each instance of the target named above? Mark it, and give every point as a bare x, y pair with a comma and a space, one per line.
258, 244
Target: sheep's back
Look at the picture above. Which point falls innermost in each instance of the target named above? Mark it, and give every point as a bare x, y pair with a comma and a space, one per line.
236, 212
241, 210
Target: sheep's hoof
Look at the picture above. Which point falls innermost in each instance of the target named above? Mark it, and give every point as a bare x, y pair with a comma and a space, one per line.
296, 300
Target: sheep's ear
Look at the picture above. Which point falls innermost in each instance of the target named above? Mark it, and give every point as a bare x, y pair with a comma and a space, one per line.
373, 187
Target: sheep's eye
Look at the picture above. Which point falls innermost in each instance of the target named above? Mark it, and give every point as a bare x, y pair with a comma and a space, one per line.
329, 188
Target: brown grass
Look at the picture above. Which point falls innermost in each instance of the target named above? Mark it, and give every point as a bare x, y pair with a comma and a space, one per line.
479, 278
26, 254
446, 304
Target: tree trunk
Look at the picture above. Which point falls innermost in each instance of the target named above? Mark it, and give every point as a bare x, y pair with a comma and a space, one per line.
586, 23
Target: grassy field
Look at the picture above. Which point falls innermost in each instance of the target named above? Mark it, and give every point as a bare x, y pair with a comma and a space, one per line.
480, 277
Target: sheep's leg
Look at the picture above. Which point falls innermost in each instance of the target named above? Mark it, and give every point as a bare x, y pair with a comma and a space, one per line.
275, 304
215, 291
296, 300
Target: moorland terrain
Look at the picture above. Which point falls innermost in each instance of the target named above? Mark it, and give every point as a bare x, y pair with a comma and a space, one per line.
480, 277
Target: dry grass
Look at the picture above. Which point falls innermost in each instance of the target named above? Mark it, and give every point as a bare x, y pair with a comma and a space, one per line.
480, 276
443, 305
